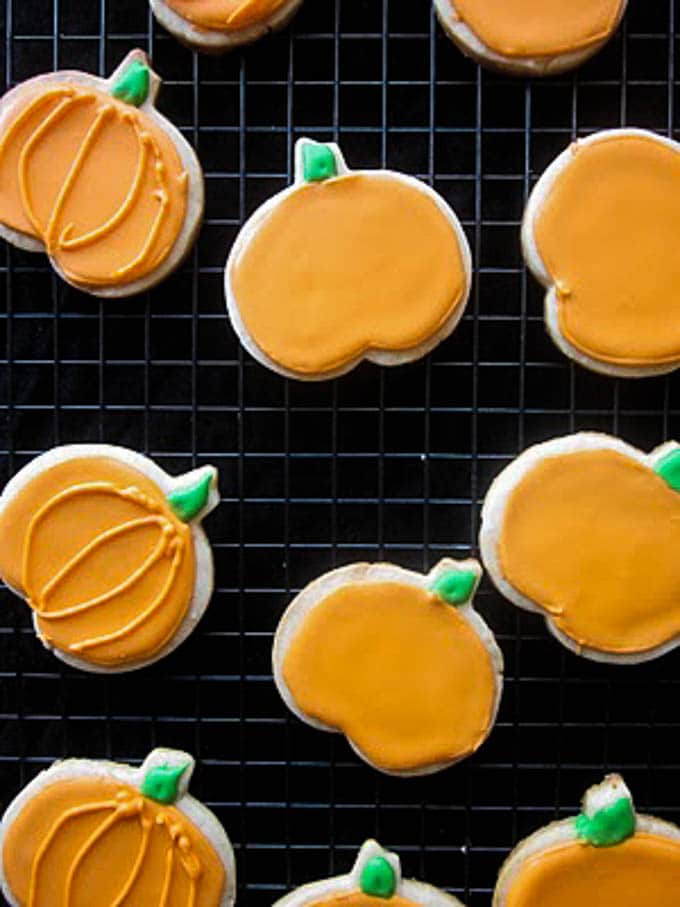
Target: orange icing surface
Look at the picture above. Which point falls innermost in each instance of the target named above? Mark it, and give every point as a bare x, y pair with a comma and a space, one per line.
94, 842
339, 267
539, 28
644, 870
592, 537
357, 899
100, 557
226, 15
98, 181
397, 670
607, 235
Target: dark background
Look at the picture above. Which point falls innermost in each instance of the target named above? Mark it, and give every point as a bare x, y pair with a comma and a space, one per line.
379, 464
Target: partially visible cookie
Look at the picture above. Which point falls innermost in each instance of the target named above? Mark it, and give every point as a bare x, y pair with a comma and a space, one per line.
600, 233
344, 266
585, 531
94, 176
530, 37
375, 881
219, 25
608, 856
108, 551
397, 661
101, 834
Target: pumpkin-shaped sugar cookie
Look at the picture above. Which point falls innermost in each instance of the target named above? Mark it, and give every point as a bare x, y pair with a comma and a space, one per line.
375, 881
585, 531
108, 551
600, 234
398, 662
98, 834
344, 266
94, 176
530, 37
606, 857
219, 25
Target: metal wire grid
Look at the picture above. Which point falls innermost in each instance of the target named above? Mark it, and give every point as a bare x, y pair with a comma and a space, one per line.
379, 464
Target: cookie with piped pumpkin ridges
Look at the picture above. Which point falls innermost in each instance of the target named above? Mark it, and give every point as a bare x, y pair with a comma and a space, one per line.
94, 176
584, 531
344, 266
608, 856
599, 234
108, 551
90, 833
397, 661
375, 881
220, 25
530, 37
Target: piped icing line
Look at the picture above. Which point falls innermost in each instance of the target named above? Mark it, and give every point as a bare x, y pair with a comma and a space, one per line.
663, 460
190, 497
151, 796
376, 874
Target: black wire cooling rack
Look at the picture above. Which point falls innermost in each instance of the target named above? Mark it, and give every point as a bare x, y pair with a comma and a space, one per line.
379, 464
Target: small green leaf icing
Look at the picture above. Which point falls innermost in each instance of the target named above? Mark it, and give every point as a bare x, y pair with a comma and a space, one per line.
378, 878
318, 163
187, 501
668, 468
161, 783
133, 85
455, 586
608, 826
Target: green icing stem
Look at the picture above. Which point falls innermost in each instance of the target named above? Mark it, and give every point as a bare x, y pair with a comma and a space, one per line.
668, 468
455, 586
161, 783
378, 878
133, 85
188, 501
318, 163
608, 826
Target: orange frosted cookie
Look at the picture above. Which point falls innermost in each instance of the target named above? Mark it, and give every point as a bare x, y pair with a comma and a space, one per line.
98, 834
375, 881
600, 234
94, 176
530, 37
218, 25
608, 856
398, 662
345, 266
107, 550
584, 530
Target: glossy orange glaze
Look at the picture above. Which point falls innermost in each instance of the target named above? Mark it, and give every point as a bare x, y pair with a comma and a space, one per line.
400, 672
357, 899
644, 870
592, 537
98, 181
94, 842
101, 558
539, 28
360, 262
226, 15
606, 234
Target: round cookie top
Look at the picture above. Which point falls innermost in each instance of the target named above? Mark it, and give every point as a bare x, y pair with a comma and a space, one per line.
343, 265
538, 28
90, 171
226, 15
99, 834
404, 669
104, 557
588, 534
607, 856
600, 232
